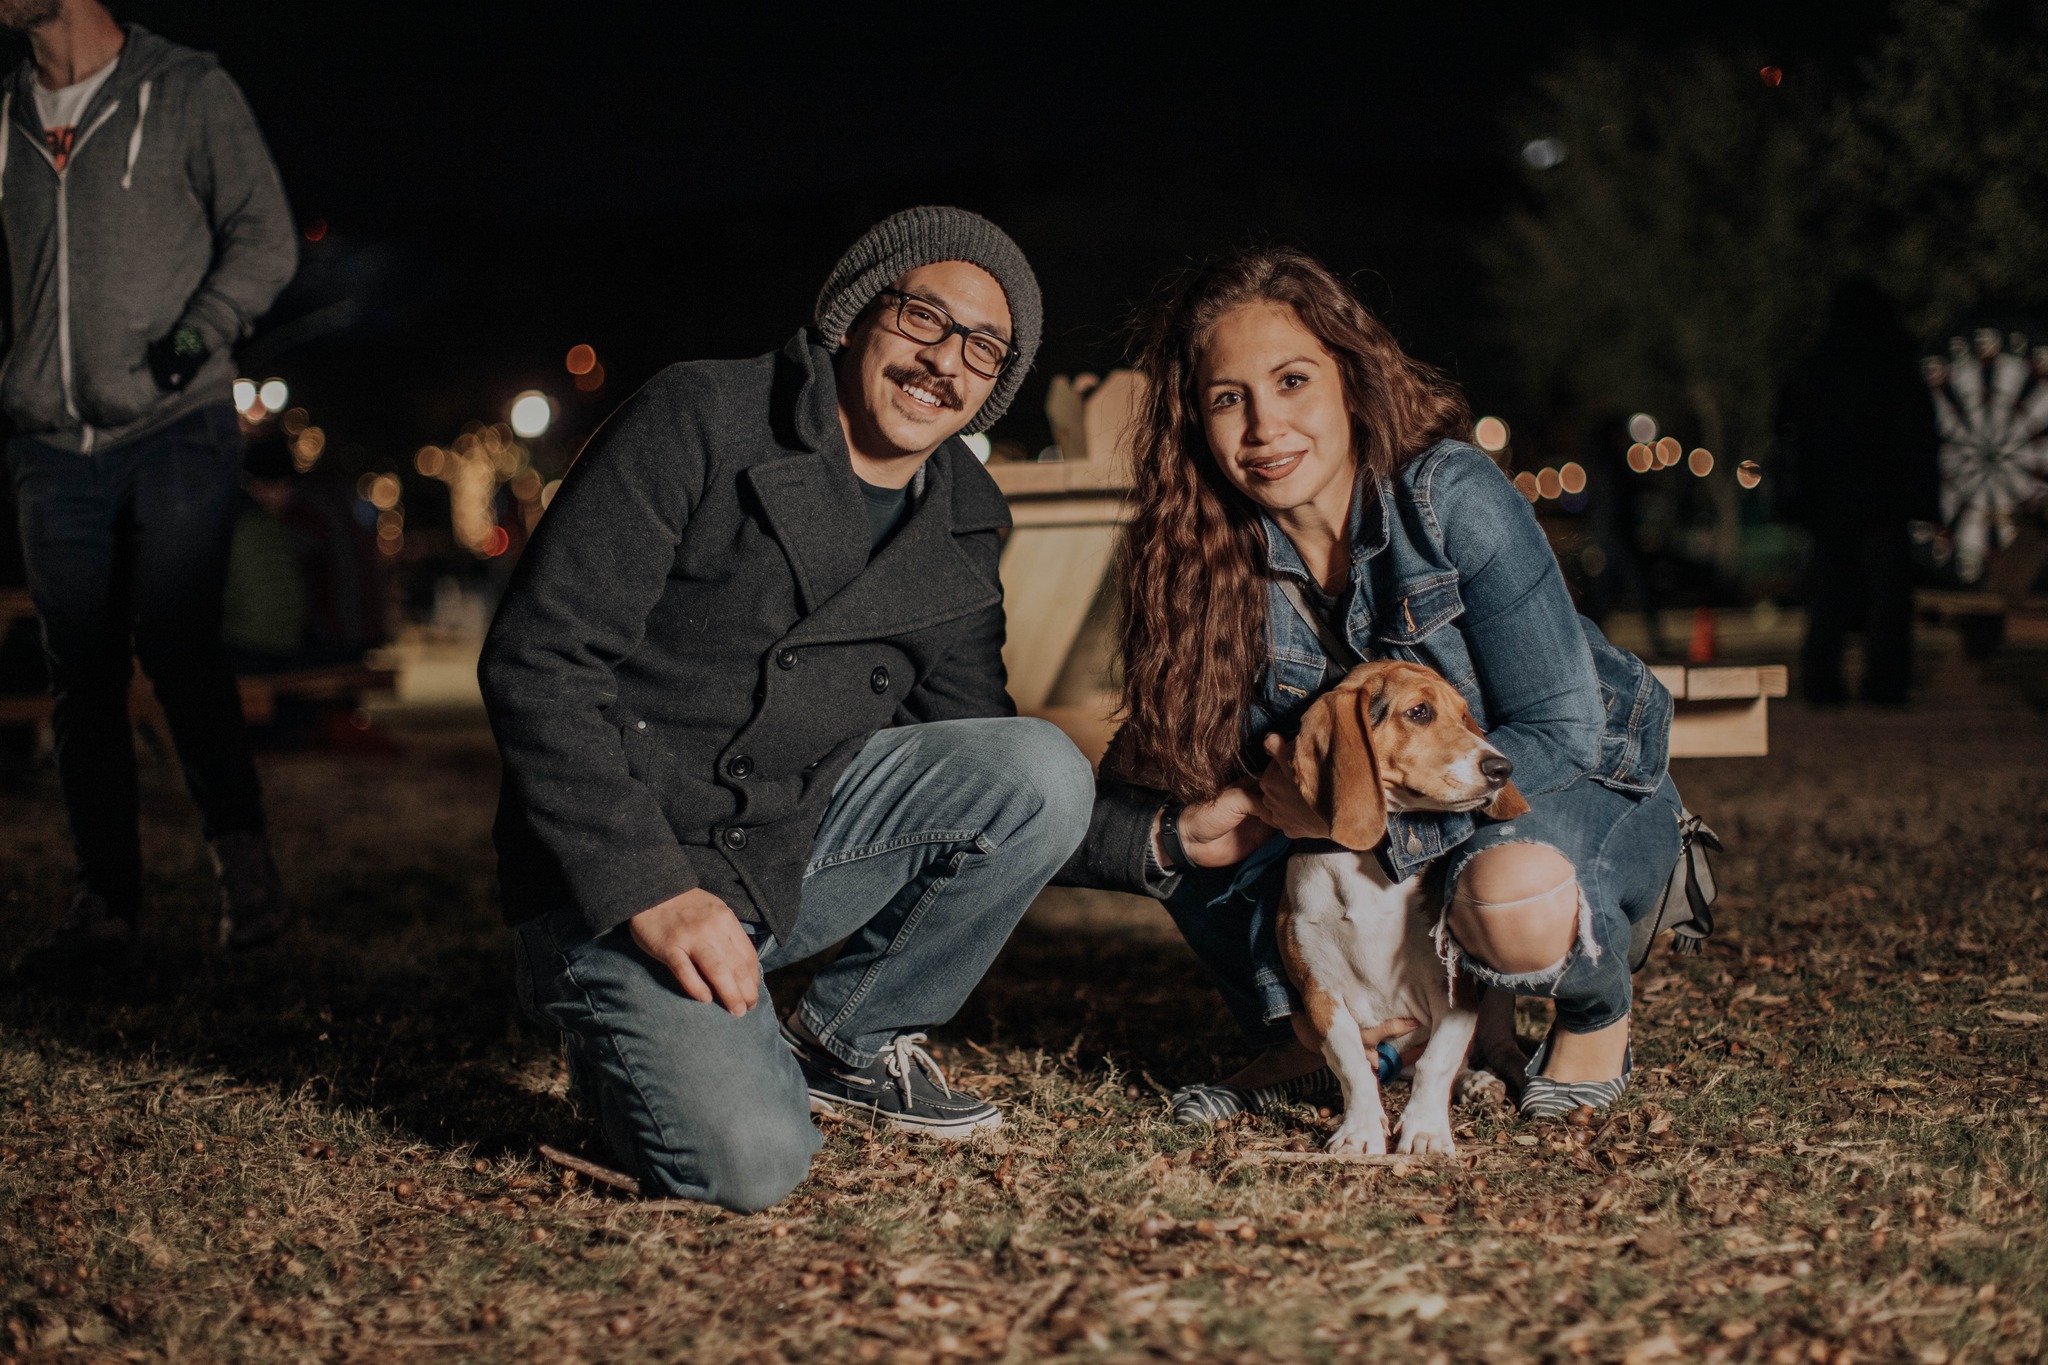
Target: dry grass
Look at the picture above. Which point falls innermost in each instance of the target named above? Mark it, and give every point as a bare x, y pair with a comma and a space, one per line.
1836, 1149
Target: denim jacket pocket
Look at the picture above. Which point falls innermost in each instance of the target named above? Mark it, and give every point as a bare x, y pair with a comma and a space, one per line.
1420, 609
1293, 679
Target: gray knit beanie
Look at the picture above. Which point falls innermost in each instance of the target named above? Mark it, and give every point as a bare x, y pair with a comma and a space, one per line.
904, 241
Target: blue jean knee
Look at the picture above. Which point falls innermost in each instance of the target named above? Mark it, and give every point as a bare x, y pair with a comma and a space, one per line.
1621, 846
692, 1102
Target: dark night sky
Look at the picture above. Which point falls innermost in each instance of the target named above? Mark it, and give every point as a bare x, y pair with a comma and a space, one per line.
667, 182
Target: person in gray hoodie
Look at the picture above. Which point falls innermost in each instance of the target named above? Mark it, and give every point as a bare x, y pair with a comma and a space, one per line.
145, 231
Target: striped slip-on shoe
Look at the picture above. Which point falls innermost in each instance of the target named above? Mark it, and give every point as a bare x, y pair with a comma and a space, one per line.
1214, 1103
1544, 1098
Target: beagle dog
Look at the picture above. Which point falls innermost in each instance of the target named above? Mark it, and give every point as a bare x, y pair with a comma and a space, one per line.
1392, 736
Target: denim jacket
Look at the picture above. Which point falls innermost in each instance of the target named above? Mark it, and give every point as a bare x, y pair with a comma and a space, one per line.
1449, 568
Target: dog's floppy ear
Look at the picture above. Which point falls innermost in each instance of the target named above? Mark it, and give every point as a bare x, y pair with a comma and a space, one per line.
1336, 771
1508, 802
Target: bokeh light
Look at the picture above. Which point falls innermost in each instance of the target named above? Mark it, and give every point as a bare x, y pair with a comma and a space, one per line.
1526, 482
1700, 462
1749, 473
1642, 428
384, 492
1543, 153
1669, 452
979, 443
592, 381
497, 540
1490, 434
295, 420
581, 359
1548, 484
1573, 477
307, 447
245, 394
1772, 76
429, 461
530, 413
274, 394
1641, 457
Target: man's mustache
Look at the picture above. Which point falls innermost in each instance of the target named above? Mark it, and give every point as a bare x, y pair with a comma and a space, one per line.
937, 385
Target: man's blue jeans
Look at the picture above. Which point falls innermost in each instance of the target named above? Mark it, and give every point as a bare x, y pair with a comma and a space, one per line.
127, 556
936, 840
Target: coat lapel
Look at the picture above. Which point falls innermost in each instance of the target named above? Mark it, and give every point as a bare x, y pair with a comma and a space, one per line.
810, 498
812, 504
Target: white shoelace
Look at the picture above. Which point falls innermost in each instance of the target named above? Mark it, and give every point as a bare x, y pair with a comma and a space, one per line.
905, 1052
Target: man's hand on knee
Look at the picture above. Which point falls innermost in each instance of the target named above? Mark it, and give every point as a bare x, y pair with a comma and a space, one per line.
697, 937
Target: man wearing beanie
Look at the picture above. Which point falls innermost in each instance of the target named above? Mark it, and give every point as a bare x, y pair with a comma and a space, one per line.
748, 686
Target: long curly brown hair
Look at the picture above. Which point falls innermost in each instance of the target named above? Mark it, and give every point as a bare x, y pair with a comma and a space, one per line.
1193, 557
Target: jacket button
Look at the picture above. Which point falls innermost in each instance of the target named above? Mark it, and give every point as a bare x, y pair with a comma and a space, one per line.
738, 766
1414, 843
639, 725
735, 838
785, 658
879, 679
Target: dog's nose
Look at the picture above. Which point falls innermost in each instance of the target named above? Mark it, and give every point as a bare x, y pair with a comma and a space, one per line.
1495, 768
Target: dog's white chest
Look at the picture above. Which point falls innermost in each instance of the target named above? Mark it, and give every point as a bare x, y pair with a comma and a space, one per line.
1365, 939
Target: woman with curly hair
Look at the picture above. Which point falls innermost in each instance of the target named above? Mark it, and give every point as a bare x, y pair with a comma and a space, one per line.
1304, 501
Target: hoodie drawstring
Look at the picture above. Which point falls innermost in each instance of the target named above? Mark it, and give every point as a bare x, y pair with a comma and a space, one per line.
6, 119
134, 138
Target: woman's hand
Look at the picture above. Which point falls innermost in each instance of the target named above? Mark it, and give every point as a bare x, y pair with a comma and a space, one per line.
1222, 830
1281, 803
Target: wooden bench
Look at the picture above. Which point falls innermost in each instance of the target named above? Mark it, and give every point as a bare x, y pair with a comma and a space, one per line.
2006, 610
260, 691
1067, 515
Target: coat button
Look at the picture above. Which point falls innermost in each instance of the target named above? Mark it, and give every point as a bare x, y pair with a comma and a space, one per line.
639, 725
735, 838
785, 658
738, 766
879, 679
1414, 843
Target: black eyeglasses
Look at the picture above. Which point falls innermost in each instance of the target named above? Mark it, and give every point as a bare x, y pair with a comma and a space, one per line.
987, 354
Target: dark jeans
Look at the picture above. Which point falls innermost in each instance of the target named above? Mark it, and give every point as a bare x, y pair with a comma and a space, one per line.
1859, 566
127, 550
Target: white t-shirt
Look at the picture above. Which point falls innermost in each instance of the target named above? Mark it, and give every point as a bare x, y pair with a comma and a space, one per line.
60, 111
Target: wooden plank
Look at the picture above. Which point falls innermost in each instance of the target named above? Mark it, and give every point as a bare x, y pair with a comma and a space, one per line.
1050, 577
1723, 682
1070, 512
1731, 728
1091, 727
1944, 603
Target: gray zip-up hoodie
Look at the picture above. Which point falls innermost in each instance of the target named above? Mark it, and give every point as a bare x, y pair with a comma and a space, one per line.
168, 213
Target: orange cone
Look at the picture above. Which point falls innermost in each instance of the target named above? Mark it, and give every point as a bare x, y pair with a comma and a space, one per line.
1704, 648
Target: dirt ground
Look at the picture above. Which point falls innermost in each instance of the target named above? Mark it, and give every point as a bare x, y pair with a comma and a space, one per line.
1834, 1151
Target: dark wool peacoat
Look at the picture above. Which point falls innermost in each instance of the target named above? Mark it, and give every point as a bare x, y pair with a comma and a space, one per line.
696, 644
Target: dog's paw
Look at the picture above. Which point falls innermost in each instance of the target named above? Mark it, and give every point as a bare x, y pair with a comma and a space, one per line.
1479, 1087
1367, 1138
1427, 1141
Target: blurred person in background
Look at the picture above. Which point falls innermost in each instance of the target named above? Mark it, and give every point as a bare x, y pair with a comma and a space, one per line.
1858, 459
748, 685
146, 229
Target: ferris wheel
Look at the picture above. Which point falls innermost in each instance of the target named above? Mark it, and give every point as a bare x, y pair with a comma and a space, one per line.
1991, 405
